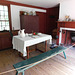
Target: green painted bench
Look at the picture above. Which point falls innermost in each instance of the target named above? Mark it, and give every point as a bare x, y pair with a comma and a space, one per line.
38, 59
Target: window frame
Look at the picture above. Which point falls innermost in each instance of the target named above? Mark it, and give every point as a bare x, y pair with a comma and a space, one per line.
9, 14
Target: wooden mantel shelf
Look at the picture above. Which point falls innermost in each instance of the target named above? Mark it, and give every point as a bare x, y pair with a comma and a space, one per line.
65, 21
66, 24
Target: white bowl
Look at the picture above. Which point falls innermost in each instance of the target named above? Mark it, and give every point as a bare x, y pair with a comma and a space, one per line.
39, 33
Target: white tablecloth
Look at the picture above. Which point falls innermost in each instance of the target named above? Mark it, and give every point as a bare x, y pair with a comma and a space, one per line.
20, 44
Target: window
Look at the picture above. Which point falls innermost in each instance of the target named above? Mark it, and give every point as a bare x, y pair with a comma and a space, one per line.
4, 19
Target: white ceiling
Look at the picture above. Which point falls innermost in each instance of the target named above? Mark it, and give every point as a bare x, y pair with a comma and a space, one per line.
40, 3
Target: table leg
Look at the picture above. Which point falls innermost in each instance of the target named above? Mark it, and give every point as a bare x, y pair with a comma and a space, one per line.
27, 52
45, 45
36, 47
21, 55
64, 54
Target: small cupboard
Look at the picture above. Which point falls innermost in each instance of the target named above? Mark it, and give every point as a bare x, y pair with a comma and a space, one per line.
29, 23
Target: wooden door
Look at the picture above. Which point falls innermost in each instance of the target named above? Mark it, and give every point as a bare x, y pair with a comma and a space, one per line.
52, 17
42, 22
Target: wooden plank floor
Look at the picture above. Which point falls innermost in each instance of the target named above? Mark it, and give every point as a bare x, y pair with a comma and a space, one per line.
57, 65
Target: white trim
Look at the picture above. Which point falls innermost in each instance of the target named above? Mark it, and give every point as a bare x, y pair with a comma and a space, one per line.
60, 34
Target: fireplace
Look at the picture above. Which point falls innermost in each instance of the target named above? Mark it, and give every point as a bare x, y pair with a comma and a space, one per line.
72, 34
67, 26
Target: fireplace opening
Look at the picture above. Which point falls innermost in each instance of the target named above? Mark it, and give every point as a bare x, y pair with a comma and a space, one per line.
68, 37
72, 33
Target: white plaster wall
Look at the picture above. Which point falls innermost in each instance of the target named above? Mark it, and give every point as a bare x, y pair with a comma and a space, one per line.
15, 14
67, 7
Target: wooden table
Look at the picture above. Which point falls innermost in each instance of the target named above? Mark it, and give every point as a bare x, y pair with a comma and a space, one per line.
21, 44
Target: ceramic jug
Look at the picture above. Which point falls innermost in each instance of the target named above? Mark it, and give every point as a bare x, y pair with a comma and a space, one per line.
19, 32
22, 34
